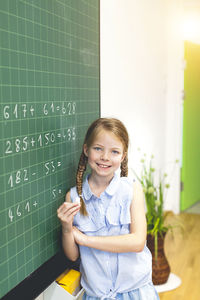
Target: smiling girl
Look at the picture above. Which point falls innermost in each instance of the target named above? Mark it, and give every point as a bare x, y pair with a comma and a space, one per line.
107, 228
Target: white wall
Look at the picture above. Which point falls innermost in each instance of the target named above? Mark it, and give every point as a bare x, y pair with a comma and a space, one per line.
133, 68
141, 79
174, 101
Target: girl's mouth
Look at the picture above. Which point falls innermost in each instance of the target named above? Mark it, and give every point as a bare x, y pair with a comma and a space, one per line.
103, 166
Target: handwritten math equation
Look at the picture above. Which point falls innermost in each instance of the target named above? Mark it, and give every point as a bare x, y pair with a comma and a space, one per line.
29, 110
14, 146
25, 143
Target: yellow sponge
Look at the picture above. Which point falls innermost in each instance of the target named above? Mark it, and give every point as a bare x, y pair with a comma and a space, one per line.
69, 280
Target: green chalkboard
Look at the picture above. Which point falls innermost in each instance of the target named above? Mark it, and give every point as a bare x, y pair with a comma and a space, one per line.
49, 95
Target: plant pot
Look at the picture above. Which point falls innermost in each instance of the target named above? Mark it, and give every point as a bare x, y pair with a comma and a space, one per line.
160, 266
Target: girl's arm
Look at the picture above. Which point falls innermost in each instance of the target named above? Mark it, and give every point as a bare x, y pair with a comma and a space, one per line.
66, 213
132, 242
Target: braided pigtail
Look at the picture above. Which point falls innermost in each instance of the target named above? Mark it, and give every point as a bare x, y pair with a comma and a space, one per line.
79, 181
124, 167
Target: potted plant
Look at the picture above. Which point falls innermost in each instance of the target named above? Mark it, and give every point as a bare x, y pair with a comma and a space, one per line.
155, 192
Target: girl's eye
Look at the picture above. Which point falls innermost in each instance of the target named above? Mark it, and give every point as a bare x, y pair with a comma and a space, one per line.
115, 152
97, 148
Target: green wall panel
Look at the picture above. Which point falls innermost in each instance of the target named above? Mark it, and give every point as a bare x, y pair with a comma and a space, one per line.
191, 127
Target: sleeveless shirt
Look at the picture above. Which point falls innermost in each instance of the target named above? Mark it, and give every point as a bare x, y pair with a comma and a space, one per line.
104, 274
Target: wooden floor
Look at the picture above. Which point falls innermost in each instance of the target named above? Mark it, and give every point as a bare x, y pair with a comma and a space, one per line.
183, 254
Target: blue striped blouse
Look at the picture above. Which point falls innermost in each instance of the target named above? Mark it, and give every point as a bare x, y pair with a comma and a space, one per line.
105, 274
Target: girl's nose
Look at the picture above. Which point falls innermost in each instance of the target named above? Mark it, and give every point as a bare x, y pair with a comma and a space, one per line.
105, 155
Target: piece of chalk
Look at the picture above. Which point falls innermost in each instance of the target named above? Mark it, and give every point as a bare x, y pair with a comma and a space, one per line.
77, 200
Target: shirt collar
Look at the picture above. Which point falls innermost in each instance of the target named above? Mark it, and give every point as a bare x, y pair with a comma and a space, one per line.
110, 190
87, 193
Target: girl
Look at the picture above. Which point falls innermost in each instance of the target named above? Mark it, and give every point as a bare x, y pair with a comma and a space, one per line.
108, 225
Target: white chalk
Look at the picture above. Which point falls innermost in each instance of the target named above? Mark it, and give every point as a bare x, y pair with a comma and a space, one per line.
77, 200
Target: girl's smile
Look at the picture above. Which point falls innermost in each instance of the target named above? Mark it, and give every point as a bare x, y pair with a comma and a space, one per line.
103, 166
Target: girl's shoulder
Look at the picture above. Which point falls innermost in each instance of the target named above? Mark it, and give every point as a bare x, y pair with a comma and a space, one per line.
127, 188
125, 185
129, 183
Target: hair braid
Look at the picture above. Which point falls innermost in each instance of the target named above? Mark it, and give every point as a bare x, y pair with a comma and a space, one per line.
124, 167
79, 181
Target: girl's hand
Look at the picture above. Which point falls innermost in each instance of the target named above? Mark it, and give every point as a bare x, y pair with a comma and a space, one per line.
66, 213
79, 237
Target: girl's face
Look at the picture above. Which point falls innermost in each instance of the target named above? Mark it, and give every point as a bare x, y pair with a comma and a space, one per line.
105, 154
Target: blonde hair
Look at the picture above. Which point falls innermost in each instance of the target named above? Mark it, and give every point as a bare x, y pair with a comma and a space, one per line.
119, 130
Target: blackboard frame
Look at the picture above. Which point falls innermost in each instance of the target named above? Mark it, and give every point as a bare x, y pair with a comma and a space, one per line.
34, 284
